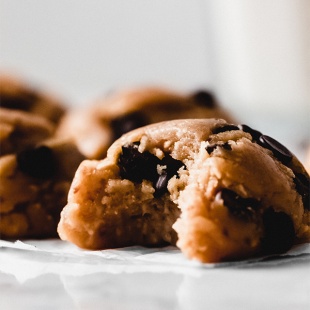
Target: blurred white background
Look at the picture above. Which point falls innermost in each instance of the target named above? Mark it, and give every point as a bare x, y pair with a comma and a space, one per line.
254, 54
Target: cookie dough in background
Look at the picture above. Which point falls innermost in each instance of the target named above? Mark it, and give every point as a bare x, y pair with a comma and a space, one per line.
34, 188
96, 126
36, 168
20, 130
216, 190
19, 94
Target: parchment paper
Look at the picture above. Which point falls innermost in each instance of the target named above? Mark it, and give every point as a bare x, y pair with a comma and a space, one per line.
31, 258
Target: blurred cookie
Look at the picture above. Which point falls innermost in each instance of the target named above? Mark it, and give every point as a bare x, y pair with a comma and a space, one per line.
18, 95
19, 130
35, 174
95, 127
34, 187
216, 190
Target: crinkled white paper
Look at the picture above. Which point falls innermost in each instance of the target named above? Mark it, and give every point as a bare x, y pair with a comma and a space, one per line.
31, 258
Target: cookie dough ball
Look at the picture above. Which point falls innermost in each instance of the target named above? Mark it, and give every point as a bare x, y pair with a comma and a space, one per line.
34, 187
94, 128
216, 190
16, 94
36, 171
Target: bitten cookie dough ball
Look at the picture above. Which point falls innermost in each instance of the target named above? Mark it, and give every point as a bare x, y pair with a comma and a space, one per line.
94, 128
216, 190
34, 187
16, 94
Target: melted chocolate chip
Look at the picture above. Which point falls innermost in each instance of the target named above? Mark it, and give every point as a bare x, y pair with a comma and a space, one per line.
37, 162
243, 208
211, 147
279, 232
126, 123
136, 166
254, 133
278, 150
302, 182
224, 128
204, 98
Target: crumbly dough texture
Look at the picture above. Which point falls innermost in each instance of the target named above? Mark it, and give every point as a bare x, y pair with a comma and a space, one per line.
96, 126
205, 185
16, 94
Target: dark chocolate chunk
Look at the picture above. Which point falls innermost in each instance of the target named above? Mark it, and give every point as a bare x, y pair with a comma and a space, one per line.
279, 232
204, 98
211, 147
136, 166
224, 128
243, 208
126, 123
278, 150
254, 133
172, 167
302, 182
37, 162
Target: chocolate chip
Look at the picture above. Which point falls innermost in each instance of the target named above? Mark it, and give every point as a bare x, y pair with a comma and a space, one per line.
224, 128
136, 166
126, 123
302, 182
278, 150
172, 167
161, 184
204, 98
254, 133
38, 162
279, 232
243, 208
211, 147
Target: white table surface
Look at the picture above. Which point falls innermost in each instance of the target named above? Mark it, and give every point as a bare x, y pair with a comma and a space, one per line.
138, 278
